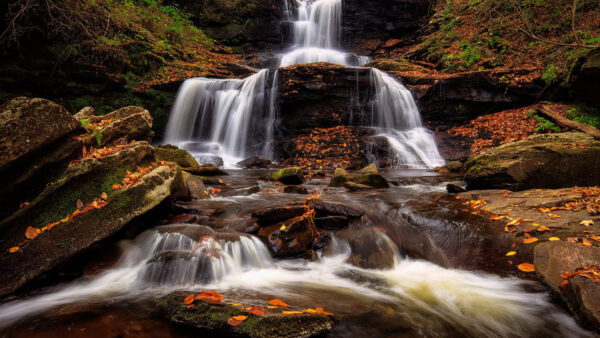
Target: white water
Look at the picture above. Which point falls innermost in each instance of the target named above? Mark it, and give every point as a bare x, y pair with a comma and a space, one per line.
234, 119
477, 303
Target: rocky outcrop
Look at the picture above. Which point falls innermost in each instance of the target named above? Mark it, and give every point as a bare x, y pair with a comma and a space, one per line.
580, 294
541, 161
213, 318
27, 125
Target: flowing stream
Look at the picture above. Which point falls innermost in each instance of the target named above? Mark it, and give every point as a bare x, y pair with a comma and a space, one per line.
423, 276
225, 121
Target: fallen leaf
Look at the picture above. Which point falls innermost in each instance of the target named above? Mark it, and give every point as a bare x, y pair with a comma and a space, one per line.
277, 302
543, 228
554, 239
288, 313
585, 242
309, 310
32, 232
587, 223
216, 302
511, 253
282, 227
496, 217
208, 295
189, 300
255, 310
103, 196
530, 240
236, 320
13, 249
526, 267
321, 311
235, 304
553, 215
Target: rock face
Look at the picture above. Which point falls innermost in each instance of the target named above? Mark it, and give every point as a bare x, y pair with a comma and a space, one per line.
29, 124
541, 161
581, 295
213, 318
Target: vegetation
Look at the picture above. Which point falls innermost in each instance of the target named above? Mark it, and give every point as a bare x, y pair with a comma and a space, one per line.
547, 35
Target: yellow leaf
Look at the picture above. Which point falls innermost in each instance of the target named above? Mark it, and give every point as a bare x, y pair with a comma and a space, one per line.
236, 304
282, 227
553, 215
554, 239
287, 313
511, 253
587, 223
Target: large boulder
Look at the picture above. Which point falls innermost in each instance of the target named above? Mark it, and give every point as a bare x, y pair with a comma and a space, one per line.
28, 124
292, 176
290, 238
92, 200
581, 294
129, 123
212, 318
541, 161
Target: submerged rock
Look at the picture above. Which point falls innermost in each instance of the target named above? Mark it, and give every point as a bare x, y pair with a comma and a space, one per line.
291, 176
582, 294
213, 318
254, 163
540, 161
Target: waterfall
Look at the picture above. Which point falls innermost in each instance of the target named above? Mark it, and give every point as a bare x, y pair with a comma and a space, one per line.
224, 121
231, 119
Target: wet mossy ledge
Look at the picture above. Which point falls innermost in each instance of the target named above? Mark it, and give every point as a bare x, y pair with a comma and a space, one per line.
213, 319
102, 177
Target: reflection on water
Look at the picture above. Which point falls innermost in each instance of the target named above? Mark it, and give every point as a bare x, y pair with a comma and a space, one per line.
410, 297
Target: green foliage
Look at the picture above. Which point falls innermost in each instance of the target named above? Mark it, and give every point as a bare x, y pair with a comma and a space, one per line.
471, 53
96, 131
585, 115
545, 125
550, 75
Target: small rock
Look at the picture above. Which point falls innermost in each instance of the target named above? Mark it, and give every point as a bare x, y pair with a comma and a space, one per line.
294, 189
254, 163
290, 176
269, 216
454, 189
205, 170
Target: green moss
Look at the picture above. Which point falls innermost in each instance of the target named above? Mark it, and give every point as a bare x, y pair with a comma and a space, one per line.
291, 175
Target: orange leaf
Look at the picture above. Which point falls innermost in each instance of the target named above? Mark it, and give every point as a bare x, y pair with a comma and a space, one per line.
322, 312
13, 249
530, 240
216, 302
209, 295
103, 196
255, 310
277, 302
526, 267
288, 313
189, 299
32, 232
236, 320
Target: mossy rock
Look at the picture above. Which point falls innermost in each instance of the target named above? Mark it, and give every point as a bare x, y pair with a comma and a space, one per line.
85, 181
453, 167
179, 156
214, 318
372, 180
541, 161
291, 176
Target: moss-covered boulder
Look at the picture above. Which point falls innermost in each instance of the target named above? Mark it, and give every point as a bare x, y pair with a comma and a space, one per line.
28, 124
273, 323
453, 167
291, 176
173, 154
66, 222
205, 170
540, 161
369, 176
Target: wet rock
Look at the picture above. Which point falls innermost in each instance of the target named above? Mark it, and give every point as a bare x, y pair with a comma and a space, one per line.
27, 125
212, 181
351, 186
193, 231
254, 163
370, 169
290, 176
84, 180
453, 167
372, 180
178, 266
368, 176
322, 241
184, 218
290, 238
252, 227
331, 222
340, 177
370, 248
324, 209
540, 161
269, 216
554, 258
454, 189
205, 170
180, 156
213, 318
294, 189
252, 190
